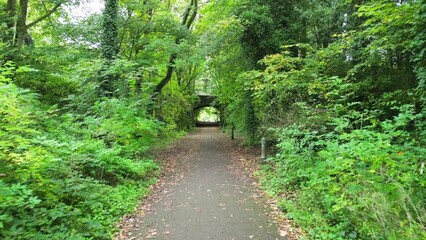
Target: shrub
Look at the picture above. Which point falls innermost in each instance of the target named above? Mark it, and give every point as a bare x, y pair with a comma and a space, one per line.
63, 178
361, 184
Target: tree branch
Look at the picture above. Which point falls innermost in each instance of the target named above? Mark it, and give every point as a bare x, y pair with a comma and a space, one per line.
168, 77
45, 15
186, 14
194, 7
187, 23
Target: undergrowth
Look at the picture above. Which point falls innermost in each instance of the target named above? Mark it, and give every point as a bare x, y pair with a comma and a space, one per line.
366, 183
69, 176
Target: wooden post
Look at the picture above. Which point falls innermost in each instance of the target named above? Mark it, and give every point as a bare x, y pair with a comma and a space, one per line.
232, 132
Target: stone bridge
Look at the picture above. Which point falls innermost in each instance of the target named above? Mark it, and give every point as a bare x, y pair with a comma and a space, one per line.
205, 101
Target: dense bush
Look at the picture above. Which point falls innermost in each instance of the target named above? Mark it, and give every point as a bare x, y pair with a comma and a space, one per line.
344, 169
361, 184
66, 179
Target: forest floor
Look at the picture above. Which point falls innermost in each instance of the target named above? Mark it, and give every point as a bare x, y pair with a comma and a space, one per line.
207, 192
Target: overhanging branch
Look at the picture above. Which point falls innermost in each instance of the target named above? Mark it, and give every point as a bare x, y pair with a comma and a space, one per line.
190, 10
46, 15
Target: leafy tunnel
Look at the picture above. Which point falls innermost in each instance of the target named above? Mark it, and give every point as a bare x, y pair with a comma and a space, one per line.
337, 87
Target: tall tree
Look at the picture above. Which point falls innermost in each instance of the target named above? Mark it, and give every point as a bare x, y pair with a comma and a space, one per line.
109, 45
21, 24
110, 30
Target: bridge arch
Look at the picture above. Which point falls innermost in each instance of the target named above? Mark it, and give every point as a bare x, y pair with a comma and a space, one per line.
205, 101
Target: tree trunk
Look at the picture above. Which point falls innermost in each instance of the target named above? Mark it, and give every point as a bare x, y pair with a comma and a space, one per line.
109, 46
21, 24
110, 30
11, 13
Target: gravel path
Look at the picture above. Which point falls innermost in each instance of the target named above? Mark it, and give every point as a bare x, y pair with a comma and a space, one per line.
203, 200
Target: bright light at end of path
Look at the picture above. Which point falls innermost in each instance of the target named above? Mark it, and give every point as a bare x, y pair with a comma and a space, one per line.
208, 114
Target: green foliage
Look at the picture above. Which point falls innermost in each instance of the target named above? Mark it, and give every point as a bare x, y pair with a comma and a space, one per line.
270, 24
384, 63
109, 45
337, 84
68, 179
346, 112
175, 108
363, 184
259, 27
56, 71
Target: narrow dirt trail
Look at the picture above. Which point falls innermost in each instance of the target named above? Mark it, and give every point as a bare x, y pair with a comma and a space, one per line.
204, 199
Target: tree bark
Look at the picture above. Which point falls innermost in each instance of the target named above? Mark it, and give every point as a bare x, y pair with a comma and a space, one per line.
194, 6
169, 74
11, 13
21, 26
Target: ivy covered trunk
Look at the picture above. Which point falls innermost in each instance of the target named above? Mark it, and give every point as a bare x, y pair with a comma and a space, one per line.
109, 44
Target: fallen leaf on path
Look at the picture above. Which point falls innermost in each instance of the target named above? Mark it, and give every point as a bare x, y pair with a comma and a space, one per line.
283, 233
